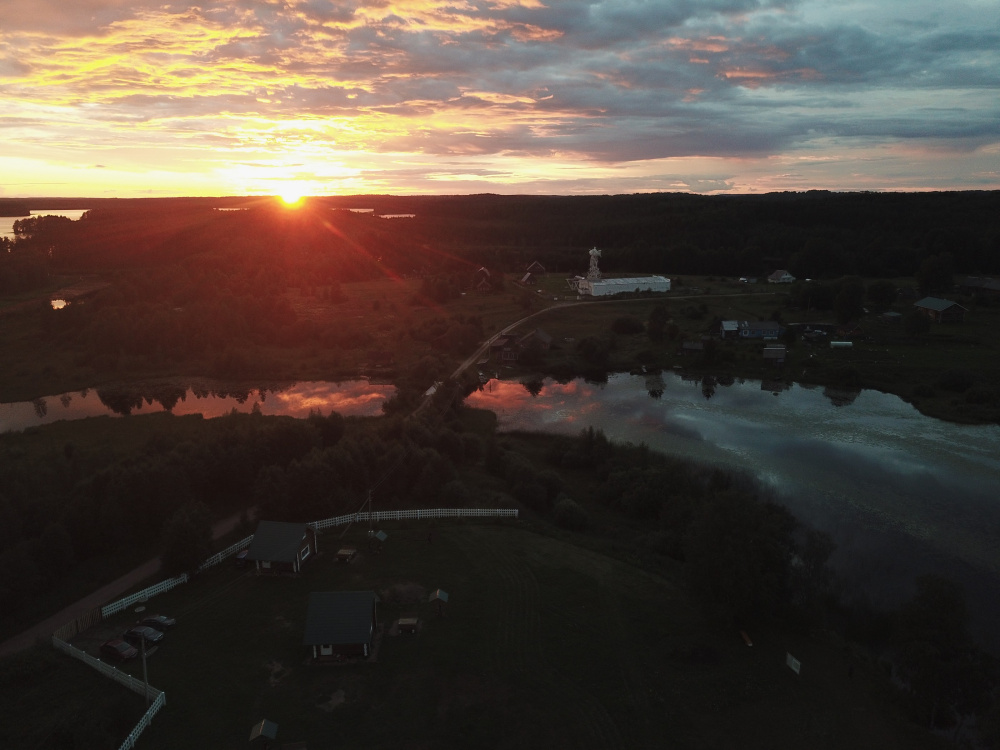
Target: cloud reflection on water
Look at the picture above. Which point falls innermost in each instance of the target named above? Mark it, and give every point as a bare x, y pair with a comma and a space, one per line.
359, 398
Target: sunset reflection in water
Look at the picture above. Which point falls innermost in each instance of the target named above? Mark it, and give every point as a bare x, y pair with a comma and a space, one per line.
353, 398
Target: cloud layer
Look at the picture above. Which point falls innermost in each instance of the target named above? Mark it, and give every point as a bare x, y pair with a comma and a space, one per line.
547, 96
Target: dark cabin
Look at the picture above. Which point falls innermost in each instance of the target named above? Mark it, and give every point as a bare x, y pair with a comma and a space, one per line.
280, 547
941, 310
340, 625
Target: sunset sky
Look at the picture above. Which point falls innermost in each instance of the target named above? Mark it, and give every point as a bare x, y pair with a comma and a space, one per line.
232, 97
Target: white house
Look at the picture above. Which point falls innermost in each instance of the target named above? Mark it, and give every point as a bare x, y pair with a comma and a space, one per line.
780, 277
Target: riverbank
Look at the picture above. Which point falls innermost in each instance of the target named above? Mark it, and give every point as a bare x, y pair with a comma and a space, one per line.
949, 373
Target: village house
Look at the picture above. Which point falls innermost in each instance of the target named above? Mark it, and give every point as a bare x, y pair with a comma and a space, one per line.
481, 281
780, 276
504, 350
729, 329
760, 329
941, 310
340, 625
538, 336
981, 286
280, 547
535, 268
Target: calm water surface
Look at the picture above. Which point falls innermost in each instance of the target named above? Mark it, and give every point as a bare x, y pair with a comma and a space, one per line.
353, 398
7, 222
902, 494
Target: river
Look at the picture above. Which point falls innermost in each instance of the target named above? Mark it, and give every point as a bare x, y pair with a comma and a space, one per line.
351, 398
901, 494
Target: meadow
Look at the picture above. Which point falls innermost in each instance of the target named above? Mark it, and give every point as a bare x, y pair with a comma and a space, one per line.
543, 643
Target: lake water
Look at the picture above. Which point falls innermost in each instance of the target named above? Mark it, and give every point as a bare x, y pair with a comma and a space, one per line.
7, 222
902, 494
353, 398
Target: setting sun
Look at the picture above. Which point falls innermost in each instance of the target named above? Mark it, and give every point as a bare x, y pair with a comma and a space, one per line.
291, 197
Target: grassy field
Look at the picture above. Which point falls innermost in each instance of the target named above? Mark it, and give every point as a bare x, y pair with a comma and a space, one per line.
50, 701
542, 644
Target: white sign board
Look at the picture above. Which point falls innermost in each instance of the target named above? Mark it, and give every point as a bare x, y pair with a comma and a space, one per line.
794, 664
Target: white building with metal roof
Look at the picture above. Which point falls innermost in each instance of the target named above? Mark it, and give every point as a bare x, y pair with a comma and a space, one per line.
605, 287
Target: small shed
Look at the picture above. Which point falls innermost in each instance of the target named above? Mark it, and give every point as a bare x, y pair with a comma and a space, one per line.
535, 267
692, 347
775, 353
408, 624
346, 554
280, 547
340, 624
441, 597
262, 733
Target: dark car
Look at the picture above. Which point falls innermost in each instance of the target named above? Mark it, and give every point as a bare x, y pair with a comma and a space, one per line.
160, 622
118, 649
141, 633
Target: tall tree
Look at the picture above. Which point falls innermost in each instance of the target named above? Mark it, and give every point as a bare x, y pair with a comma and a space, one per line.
187, 539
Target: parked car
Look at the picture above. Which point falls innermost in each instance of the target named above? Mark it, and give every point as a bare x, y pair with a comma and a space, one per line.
159, 622
136, 635
119, 650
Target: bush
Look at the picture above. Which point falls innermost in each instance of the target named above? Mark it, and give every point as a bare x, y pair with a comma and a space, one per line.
568, 514
627, 325
979, 394
958, 381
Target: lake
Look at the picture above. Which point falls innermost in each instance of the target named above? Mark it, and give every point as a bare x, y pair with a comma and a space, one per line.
352, 398
901, 493
7, 222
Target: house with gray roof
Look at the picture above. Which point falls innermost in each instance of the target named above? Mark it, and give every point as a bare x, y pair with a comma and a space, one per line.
780, 276
760, 329
280, 547
941, 310
340, 624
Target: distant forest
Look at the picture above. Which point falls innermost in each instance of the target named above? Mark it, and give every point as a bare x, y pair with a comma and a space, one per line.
815, 234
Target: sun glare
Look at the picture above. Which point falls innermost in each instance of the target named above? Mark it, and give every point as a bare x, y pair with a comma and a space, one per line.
291, 197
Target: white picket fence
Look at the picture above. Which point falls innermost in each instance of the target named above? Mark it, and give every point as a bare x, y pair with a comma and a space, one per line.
402, 515
139, 596
133, 684
147, 718
227, 552
160, 697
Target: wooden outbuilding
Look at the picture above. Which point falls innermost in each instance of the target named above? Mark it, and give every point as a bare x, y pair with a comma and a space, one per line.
535, 267
775, 353
941, 310
280, 547
340, 624
263, 733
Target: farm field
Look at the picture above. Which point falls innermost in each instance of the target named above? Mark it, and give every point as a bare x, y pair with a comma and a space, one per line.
542, 644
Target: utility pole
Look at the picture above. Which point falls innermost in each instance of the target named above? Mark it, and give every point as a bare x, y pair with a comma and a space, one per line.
145, 678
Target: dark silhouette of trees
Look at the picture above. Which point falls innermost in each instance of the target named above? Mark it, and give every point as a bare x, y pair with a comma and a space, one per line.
187, 539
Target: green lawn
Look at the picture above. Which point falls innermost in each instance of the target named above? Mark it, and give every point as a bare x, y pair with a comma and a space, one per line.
543, 644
